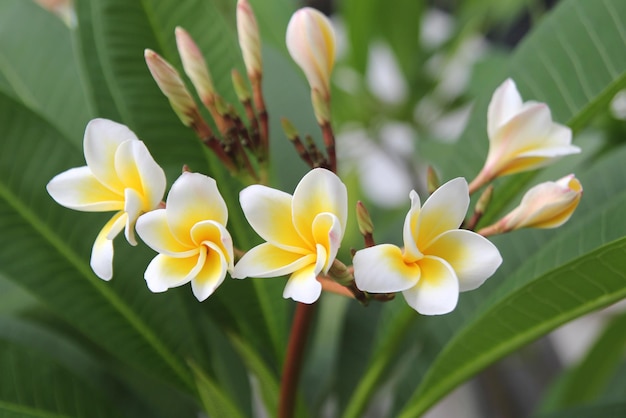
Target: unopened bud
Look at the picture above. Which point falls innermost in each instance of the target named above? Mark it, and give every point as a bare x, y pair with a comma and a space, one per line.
366, 226
249, 39
311, 44
484, 200
290, 131
547, 205
321, 107
241, 89
432, 180
172, 86
194, 64
340, 273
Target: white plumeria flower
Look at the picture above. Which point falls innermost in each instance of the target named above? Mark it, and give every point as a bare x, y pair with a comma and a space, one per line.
303, 232
522, 136
121, 176
438, 261
190, 237
546, 205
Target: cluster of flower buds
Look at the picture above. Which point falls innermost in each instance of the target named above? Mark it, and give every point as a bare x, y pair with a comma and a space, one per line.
242, 149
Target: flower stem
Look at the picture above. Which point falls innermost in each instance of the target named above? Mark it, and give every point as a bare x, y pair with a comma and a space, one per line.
293, 361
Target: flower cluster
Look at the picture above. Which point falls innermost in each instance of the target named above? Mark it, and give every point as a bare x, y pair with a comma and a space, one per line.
303, 232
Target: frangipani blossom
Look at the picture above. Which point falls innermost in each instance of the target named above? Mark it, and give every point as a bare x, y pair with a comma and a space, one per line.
547, 205
303, 232
438, 261
522, 136
311, 43
190, 237
120, 176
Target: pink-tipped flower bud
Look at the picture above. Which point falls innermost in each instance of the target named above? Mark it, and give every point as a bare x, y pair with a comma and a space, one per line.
249, 39
547, 205
311, 44
194, 64
172, 86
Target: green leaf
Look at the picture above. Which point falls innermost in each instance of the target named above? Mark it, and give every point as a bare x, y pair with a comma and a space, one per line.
40, 68
43, 376
589, 378
580, 269
604, 410
216, 402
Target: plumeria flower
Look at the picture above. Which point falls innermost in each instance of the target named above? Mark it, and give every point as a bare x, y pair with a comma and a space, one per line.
190, 237
522, 136
120, 176
547, 205
303, 232
311, 43
438, 261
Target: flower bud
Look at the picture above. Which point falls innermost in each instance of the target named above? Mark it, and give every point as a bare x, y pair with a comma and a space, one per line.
241, 89
311, 44
249, 39
366, 226
547, 205
172, 86
194, 64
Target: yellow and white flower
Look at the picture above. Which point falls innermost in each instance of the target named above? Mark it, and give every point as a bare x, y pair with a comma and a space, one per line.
546, 205
438, 261
303, 232
190, 237
120, 176
522, 136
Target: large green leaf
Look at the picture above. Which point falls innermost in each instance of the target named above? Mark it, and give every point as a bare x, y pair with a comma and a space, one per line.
40, 68
604, 410
45, 376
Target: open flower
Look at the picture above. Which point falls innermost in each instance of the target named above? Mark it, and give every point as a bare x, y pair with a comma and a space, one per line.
303, 232
311, 43
522, 136
190, 237
438, 259
547, 205
121, 176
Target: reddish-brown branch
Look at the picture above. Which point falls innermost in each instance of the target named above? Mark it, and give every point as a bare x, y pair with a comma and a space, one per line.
293, 361
329, 143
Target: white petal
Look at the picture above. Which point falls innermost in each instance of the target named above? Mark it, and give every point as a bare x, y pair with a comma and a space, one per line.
473, 257
381, 269
132, 207
194, 198
437, 292
102, 137
444, 210
211, 275
102, 252
505, 103
137, 169
165, 272
268, 212
154, 230
303, 286
410, 231
266, 260
319, 191
79, 189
